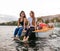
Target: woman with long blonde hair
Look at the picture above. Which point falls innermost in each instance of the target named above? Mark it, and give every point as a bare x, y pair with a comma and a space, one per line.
32, 26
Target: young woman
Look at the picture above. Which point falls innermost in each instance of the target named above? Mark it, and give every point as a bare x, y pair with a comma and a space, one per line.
21, 25
32, 26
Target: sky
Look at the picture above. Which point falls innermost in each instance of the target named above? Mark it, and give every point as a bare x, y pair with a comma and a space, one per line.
40, 7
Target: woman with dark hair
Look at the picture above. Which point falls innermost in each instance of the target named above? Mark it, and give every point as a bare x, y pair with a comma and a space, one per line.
32, 26
21, 25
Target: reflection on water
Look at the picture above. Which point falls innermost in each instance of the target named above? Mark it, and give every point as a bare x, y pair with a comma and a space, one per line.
42, 44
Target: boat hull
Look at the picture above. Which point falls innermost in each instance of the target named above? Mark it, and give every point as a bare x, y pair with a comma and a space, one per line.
43, 34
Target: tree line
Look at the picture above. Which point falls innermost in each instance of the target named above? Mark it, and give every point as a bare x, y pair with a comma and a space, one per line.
14, 23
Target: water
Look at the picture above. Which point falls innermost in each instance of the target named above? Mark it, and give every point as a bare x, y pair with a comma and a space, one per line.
6, 38
7, 44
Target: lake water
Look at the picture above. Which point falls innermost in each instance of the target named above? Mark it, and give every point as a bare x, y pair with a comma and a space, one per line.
7, 43
6, 38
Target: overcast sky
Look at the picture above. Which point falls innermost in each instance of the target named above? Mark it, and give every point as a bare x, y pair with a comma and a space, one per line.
40, 7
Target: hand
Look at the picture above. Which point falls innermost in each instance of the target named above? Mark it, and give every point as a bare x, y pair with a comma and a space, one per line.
23, 29
28, 26
17, 26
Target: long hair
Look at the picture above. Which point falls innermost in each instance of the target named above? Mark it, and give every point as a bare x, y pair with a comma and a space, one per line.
20, 15
33, 20
24, 14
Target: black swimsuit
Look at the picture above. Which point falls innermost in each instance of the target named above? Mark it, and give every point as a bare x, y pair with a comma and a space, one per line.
22, 23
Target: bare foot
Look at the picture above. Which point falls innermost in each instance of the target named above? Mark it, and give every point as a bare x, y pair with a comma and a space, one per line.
24, 40
16, 38
27, 38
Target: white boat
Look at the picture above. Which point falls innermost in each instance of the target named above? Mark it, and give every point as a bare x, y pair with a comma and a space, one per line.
44, 34
40, 34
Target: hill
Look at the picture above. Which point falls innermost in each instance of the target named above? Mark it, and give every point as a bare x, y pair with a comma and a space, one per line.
10, 20
7, 18
50, 18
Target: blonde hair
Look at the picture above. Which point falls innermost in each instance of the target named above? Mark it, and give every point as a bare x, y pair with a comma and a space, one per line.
33, 21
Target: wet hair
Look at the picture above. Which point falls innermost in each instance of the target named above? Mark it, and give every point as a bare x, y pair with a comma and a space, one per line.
24, 14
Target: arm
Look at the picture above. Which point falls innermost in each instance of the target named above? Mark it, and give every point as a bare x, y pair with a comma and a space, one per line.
35, 24
18, 22
24, 22
28, 25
